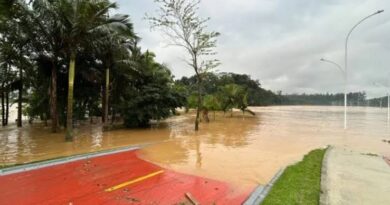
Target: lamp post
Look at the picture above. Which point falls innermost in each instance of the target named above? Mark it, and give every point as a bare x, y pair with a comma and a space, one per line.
345, 87
345, 71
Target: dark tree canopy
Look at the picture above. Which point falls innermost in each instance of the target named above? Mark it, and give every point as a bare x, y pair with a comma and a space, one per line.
51, 49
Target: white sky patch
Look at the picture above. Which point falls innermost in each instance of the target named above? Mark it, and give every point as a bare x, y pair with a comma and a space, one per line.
280, 42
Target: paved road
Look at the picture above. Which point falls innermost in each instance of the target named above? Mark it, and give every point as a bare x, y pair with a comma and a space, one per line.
355, 178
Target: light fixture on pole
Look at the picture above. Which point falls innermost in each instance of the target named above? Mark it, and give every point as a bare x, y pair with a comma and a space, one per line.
346, 63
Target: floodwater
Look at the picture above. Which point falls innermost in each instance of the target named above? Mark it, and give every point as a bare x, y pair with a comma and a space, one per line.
242, 150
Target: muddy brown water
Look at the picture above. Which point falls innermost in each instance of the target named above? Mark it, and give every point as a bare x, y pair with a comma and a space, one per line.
244, 151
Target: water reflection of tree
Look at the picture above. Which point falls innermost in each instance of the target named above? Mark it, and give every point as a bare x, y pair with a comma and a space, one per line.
231, 132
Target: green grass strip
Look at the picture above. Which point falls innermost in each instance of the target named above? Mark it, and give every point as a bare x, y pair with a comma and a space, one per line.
300, 183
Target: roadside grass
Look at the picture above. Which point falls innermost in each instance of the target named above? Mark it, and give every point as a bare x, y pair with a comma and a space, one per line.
300, 184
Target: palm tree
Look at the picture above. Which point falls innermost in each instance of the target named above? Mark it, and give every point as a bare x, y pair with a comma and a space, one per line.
45, 40
81, 20
211, 102
14, 45
112, 50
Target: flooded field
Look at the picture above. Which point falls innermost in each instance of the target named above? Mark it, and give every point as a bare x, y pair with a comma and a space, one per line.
241, 150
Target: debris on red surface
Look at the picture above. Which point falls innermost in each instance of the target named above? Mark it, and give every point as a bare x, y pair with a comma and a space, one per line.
120, 178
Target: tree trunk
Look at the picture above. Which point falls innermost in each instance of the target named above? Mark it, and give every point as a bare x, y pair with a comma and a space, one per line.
6, 106
53, 99
20, 97
2, 108
206, 115
198, 107
69, 113
106, 95
103, 103
113, 116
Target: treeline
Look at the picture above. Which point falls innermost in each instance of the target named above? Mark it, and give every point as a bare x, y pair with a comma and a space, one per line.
69, 60
377, 102
214, 83
354, 99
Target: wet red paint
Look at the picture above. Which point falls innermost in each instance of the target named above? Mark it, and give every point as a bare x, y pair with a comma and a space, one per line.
85, 181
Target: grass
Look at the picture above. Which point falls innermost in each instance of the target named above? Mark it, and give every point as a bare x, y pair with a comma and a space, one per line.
300, 183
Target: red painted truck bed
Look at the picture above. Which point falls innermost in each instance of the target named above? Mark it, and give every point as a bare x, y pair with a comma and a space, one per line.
120, 178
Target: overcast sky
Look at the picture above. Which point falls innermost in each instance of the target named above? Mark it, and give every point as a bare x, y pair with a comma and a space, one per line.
280, 42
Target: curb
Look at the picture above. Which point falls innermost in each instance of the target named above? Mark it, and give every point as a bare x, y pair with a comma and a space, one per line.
53, 162
259, 194
324, 196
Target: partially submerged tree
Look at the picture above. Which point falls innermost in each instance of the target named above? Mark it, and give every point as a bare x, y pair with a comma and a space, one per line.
43, 41
179, 21
81, 20
211, 103
150, 95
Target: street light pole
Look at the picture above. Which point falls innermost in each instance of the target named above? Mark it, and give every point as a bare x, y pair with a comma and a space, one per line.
345, 87
346, 64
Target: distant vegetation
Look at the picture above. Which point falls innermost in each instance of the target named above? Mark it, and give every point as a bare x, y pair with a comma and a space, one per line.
377, 102
354, 99
225, 91
212, 83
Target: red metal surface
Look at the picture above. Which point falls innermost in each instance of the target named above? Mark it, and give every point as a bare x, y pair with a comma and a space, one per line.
85, 181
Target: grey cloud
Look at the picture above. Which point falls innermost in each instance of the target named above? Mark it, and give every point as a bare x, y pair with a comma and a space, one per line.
280, 42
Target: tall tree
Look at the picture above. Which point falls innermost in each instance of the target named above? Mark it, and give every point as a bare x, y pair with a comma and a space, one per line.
48, 45
179, 21
112, 49
80, 20
14, 49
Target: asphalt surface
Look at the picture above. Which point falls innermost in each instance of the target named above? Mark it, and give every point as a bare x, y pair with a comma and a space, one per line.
355, 178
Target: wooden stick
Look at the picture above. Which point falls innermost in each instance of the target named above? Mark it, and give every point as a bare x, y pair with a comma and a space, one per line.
191, 199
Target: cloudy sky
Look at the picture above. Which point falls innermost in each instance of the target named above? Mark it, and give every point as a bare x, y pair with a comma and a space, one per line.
280, 42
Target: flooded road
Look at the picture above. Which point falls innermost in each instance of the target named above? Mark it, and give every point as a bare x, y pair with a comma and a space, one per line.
244, 151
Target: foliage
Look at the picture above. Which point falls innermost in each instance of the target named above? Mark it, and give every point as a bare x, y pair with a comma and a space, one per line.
300, 183
212, 103
354, 99
212, 83
179, 21
377, 102
232, 96
151, 95
40, 39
